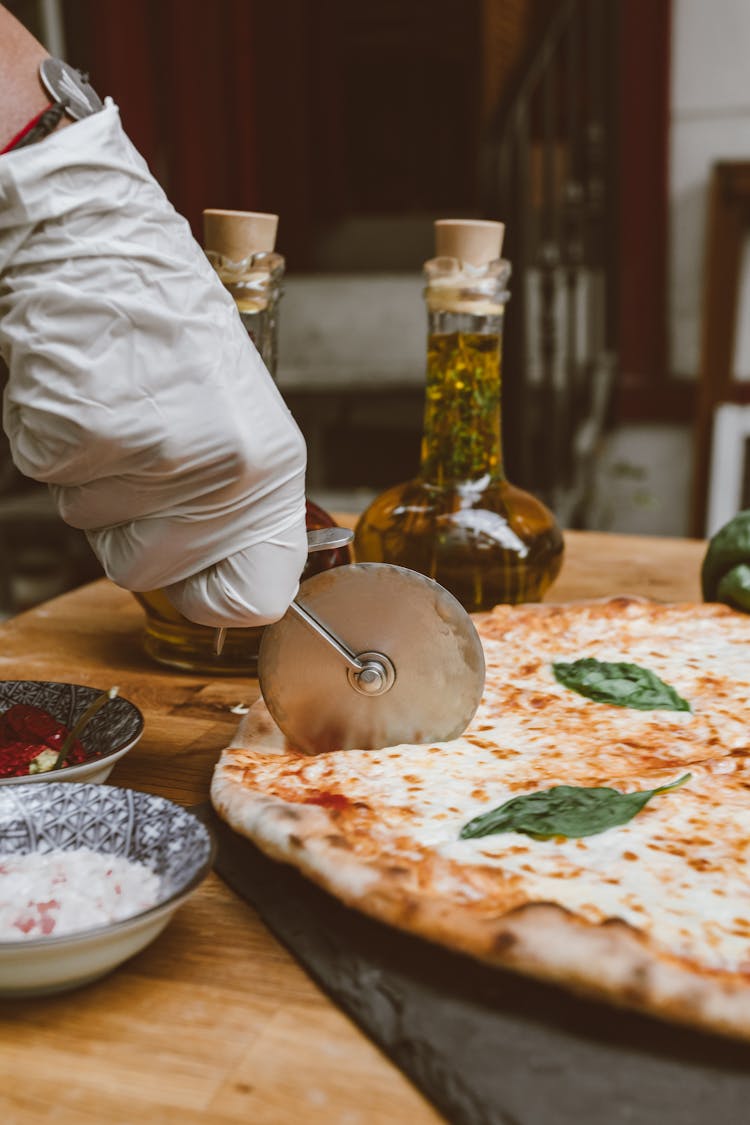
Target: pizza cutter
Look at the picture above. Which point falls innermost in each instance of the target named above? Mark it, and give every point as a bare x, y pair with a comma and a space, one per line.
370, 655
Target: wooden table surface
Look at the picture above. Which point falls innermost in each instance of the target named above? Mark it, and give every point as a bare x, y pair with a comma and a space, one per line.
215, 1022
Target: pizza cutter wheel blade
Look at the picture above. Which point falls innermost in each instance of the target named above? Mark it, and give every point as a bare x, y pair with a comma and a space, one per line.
371, 655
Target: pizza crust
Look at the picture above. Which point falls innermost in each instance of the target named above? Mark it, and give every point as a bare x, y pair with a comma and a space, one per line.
609, 960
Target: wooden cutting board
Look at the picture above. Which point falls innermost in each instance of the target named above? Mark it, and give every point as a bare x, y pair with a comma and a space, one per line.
216, 1021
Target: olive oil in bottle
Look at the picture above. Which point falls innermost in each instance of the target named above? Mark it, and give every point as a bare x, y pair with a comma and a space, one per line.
460, 521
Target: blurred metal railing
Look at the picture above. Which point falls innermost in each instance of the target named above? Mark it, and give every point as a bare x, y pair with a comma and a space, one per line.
549, 173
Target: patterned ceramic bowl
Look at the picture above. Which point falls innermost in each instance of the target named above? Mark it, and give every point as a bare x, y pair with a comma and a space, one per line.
168, 839
111, 732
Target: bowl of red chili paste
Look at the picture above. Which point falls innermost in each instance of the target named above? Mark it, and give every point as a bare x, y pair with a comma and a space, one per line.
36, 717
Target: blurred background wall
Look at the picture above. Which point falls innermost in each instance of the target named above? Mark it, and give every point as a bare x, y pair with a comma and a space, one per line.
589, 126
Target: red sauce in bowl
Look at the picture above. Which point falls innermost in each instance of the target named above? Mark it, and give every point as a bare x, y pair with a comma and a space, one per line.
26, 732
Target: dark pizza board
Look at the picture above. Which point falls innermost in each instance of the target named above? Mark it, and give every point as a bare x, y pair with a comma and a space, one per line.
488, 1047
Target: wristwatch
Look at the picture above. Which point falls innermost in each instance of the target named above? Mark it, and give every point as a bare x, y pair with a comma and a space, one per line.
71, 94
69, 88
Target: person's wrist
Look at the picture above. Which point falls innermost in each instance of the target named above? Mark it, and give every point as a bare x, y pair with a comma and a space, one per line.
38, 127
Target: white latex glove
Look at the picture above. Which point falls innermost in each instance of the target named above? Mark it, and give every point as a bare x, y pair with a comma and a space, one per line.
134, 390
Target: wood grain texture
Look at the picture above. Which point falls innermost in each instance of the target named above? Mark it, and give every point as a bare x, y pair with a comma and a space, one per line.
215, 1021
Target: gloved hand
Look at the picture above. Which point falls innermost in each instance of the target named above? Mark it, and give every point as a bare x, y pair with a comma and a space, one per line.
134, 390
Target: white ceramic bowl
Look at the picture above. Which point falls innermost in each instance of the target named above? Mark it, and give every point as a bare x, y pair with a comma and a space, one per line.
113, 731
120, 822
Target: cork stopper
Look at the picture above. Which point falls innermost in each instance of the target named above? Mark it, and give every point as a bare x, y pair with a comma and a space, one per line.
238, 234
474, 241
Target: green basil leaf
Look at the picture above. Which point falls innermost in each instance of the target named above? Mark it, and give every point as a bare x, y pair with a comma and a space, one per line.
564, 810
621, 684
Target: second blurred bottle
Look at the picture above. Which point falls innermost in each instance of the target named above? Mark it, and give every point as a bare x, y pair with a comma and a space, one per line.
241, 247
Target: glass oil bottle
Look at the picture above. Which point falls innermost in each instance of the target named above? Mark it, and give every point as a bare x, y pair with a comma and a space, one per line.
460, 521
241, 247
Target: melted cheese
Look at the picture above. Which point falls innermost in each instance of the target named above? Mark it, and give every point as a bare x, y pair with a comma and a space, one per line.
679, 871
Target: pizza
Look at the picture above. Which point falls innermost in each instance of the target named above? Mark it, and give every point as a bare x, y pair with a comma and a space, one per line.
591, 827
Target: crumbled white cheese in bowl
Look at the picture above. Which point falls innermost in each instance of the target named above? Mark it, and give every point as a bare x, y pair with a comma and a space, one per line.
89, 875
63, 892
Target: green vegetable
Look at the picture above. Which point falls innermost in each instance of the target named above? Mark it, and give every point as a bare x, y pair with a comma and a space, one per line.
564, 810
725, 574
734, 588
624, 685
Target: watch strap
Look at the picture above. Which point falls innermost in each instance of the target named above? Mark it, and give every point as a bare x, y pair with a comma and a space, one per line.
39, 127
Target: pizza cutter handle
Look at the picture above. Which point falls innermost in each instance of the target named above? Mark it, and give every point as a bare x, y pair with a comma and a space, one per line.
320, 539
349, 658
328, 539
